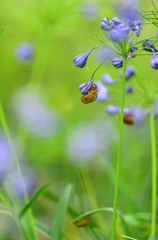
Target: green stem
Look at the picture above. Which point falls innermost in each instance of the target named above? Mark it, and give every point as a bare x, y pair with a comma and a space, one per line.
115, 201
152, 1
154, 172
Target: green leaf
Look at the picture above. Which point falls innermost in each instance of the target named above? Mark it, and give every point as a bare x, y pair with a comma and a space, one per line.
58, 221
33, 199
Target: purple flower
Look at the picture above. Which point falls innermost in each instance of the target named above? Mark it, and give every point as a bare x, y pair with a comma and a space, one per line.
112, 110
115, 22
149, 46
85, 87
81, 60
107, 79
154, 62
136, 26
129, 89
127, 111
102, 92
132, 50
105, 24
89, 10
117, 62
129, 72
120, 32
24, 52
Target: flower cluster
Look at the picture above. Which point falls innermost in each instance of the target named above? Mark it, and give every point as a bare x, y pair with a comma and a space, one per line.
119, 35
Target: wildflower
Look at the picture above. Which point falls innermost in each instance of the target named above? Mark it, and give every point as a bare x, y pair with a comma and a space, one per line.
136, 27
130, 71
112, 110
89, 10
81, 60
132, 50
129, 89
102, 92
105, 24
154, 61
85, 87
148, 46
24, 52
117, 62
107, 79
119, 33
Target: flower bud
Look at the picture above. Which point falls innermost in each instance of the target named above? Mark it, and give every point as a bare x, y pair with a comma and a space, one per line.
81, 60
107, 79
85, 87
105, 24
117, 62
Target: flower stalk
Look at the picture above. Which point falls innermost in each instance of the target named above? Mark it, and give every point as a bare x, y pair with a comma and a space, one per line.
154, 174
115, 201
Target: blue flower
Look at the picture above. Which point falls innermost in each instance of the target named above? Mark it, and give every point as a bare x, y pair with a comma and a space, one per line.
24, 52
102, 92
121, 31
136, 26
148, 46
81, 60
112, 110
154, 62
129, 72
85, 87
117, 62
129, 89
105, 24
107, 79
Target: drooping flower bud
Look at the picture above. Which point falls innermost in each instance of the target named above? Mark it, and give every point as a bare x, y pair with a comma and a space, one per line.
85, 87
117, 62
81, 60
148, 46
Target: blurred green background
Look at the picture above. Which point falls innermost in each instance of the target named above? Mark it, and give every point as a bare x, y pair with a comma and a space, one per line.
58, 31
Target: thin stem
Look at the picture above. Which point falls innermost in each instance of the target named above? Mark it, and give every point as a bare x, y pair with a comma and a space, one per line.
154, 172
115, 201
152, 1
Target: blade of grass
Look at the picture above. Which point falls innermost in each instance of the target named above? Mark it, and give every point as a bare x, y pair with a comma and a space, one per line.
33, 199
58, 221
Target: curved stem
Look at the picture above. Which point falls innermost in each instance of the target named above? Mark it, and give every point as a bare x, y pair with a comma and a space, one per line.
154, 172
115, 201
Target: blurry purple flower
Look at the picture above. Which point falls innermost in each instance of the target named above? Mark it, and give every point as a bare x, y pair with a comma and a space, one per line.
107, 79
81, 60
24, 52
112, 110
105, 24
139, 115
104, 54
102, 92
129, 89
115, 22
156, 109
136, 27
18, 185
154, 61
85, 87
5, 157
119, 33
89, 10
130, 71
117, 62
85, 142
32, 113
127, 111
